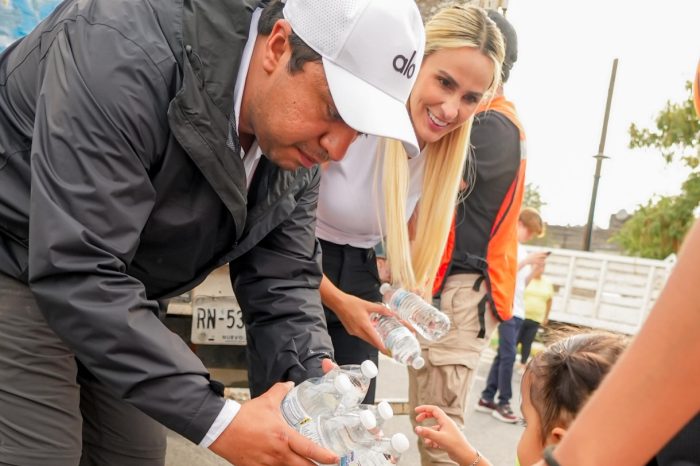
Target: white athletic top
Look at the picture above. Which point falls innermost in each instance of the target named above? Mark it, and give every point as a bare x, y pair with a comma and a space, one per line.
351, 203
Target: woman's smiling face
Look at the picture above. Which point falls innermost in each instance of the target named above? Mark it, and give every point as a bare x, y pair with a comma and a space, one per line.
450, 85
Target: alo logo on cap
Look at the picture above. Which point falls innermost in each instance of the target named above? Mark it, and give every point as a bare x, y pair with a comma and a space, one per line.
404, 65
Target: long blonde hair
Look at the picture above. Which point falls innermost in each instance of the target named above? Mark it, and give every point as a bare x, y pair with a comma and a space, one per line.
454, 26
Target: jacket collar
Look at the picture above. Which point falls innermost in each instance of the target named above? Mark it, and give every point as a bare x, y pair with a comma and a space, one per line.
214, 35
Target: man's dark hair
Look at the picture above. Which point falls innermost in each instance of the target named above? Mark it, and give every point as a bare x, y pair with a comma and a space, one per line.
510, 37
301, 53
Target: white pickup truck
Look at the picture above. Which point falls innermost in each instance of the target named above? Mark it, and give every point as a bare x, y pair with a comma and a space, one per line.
603, 291
593, 290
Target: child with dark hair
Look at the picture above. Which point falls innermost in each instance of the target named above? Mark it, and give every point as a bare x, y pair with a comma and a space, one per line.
555, 386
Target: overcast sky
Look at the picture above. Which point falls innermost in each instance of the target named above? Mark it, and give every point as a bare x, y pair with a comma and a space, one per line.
560, 83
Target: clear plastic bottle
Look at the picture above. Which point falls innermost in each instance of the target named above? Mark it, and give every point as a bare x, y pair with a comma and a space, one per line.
399, 340
348, 433
305, 403
381, 411
429, 322
351, 436
360, 376
387, 451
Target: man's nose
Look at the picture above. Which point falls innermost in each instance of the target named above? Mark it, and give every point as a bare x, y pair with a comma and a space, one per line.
337, 140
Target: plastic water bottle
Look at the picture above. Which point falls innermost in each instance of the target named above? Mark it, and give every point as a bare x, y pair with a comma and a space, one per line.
399, 340
309, 400
381, 411
384, 452
360, 376
428, 321
347, 434
352, 436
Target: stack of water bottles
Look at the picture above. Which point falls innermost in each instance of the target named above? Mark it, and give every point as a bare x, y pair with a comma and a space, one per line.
327, 410
427, 320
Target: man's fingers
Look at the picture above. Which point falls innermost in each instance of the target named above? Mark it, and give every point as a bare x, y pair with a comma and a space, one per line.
308, 449
327, 365
278, 391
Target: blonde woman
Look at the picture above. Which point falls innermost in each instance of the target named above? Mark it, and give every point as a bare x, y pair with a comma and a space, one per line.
374, 191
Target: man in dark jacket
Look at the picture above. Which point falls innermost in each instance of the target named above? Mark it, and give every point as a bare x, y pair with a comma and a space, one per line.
132, 135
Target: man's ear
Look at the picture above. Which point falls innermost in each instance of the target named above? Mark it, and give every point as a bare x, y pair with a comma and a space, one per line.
276, 45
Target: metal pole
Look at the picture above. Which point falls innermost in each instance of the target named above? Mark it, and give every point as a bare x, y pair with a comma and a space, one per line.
599, 161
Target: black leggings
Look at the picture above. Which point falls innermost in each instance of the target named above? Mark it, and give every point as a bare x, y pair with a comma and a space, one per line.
354, 271
527, 334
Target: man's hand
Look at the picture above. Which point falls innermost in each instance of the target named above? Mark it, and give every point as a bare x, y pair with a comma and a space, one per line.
354, 313
259, 436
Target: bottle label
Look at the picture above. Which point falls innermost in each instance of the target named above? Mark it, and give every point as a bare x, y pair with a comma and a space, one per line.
297, 417
348, 459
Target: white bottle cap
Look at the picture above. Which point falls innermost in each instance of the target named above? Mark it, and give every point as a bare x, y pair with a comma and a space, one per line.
385, 410
385, 288
418, 363
369, 369
367, 419
342, 384
399, 442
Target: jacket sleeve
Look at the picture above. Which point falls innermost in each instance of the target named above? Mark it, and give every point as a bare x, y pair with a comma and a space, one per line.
100, 122
276, 284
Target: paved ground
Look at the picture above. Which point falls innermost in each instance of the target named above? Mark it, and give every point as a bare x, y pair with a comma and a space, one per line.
496, 440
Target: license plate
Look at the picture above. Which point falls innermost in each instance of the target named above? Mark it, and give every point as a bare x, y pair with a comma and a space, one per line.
217, 321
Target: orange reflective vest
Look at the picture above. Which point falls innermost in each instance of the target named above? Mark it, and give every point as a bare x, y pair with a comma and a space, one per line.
499, 267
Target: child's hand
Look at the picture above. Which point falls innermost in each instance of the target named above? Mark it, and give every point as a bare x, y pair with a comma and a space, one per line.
445, 435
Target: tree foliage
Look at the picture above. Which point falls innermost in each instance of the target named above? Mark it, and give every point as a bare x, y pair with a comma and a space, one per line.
657, 228
532, 197
677, 133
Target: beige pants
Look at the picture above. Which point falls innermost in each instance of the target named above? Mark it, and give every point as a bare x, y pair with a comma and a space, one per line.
451, 363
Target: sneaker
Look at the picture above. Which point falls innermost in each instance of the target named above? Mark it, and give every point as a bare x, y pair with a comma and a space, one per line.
505, 414
485, 406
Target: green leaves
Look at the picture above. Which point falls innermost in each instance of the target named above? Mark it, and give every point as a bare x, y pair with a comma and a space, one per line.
657, 228
677, 133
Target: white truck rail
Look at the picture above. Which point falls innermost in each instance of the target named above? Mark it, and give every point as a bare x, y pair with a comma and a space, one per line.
595, 290
603, 291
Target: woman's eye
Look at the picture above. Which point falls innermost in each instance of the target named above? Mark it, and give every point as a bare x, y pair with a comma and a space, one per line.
470, 99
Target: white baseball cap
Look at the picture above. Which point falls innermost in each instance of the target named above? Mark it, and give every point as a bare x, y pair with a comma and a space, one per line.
371, 52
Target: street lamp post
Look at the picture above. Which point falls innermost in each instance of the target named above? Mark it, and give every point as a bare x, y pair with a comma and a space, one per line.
599, 161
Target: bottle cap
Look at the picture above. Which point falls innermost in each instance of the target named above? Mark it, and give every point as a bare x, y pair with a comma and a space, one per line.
342, 384
369, 369
367, 419
418, 363
399, 442
385, 288
385, 411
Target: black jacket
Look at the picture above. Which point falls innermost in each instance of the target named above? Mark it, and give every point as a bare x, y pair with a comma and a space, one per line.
117, 188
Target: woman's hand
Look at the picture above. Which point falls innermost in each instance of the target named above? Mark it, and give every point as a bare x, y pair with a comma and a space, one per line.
354, 313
